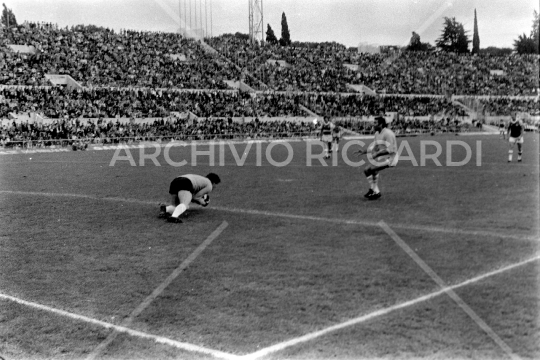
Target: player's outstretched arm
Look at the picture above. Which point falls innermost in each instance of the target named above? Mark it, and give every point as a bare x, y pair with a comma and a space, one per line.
381, 153
360, 152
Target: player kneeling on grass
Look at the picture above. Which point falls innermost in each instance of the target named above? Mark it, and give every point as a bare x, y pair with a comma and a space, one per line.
384, 153
186, 189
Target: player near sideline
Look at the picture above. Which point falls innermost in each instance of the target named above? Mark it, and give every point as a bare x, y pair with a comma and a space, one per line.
336, 135
515, 136
325, 136
502, 130
186, 189
384, 152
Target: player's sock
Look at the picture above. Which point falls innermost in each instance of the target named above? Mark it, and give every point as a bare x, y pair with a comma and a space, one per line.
179, 210
169, 209
510, 153
375, 184
519, 156
370, 181
337, 147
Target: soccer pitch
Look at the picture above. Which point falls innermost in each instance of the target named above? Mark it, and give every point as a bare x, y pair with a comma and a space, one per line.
286, 262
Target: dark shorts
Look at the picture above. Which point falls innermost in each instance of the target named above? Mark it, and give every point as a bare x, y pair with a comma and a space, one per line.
179, 184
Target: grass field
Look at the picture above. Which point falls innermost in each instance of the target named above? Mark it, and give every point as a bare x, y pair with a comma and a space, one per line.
301, 267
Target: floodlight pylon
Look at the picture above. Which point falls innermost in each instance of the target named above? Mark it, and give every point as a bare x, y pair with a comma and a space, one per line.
256, 30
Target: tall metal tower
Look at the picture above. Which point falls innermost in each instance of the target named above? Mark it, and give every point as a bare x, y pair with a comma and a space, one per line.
256, 29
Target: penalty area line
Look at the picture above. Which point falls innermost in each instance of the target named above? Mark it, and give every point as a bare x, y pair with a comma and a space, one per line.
450, 292
129, 320
123, 329
376, 224
291, 216
378, 313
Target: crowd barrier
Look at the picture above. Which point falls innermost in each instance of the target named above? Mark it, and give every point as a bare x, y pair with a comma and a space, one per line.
86, 143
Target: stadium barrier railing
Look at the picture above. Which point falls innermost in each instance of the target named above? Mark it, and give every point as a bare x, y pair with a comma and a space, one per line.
83, 143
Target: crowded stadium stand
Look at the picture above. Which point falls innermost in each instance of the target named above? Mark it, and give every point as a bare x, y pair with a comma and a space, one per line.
94, 83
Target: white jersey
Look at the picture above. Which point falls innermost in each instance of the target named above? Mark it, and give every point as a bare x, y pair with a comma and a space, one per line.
386, 140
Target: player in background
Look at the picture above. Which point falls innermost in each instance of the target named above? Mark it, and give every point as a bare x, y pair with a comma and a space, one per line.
186, 189
336, 135
502, 130
384, 152
515, 136
325, 136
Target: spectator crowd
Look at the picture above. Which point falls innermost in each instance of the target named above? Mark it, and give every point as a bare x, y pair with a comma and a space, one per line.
96, 56
355, 105
134, 74
66, 132
62, 102
101, 57
507, 106
321, 67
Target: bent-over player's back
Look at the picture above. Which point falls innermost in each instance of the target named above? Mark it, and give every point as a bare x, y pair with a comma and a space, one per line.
199, 183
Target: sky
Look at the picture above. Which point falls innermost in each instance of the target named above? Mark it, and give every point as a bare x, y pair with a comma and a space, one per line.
349, 22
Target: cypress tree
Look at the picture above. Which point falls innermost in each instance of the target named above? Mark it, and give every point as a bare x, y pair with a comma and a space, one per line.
476, 38
270, 36
8, 18
285, 39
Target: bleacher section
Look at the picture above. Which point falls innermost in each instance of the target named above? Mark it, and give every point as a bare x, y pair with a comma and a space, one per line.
66, 80
50, 74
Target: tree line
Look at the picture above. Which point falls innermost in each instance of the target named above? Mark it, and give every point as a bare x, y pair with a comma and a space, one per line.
453, 38
285, 39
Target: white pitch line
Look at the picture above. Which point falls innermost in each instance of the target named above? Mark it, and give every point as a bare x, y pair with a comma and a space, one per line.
123, 329
451, 293
279, 346
292, 216
146, 302
375, 224
375, 314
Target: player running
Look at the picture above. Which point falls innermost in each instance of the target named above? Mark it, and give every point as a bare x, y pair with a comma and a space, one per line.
384, 152
325, 136
186, 189
515, 136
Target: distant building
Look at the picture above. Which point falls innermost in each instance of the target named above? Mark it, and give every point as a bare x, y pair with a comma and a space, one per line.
390, 49
365, 47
